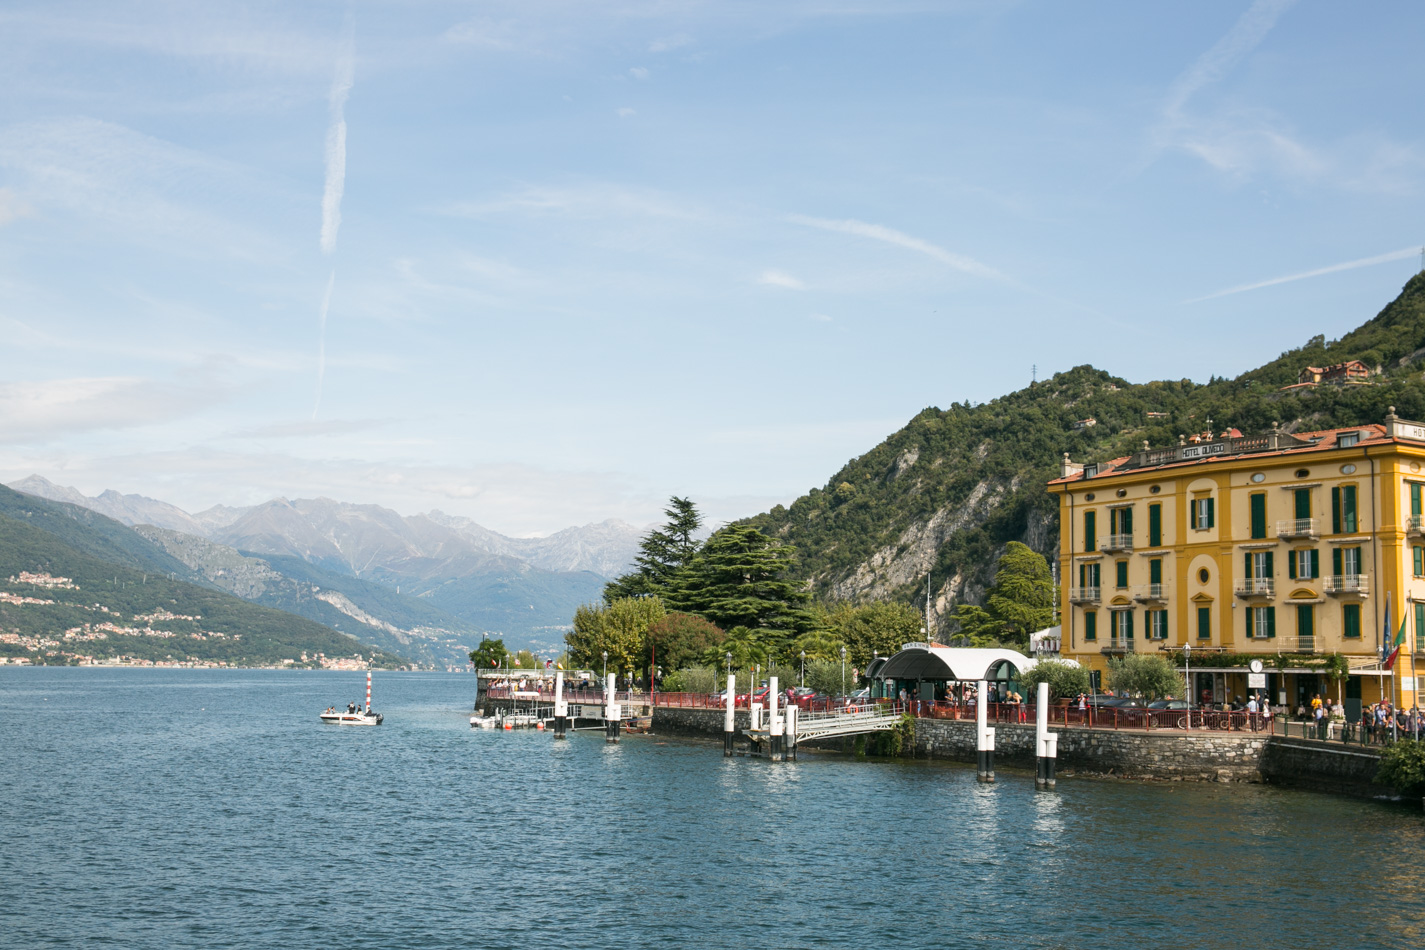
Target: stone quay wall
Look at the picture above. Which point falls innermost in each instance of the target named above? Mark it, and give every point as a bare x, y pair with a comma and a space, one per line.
1173, 756
1324, 767
704, 723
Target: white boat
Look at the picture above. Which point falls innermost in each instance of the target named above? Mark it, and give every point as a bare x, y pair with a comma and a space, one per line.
484, 722
353, 715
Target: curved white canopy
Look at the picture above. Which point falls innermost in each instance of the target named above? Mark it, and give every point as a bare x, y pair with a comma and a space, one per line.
934, 662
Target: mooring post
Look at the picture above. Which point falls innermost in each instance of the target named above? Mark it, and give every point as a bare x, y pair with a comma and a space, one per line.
729, 715
1051, 755
612, 711
790, 745
774, 722
561, 708
984, 736
1041, 737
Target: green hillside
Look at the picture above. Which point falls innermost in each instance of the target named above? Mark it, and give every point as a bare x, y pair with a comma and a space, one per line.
950, 489
106, 609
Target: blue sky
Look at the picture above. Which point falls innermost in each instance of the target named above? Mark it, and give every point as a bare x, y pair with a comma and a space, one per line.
546, 263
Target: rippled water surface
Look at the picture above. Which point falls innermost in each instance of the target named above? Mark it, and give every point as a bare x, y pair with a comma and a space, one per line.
159, 808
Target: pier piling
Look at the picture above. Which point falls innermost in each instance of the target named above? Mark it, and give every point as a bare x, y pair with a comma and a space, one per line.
612, 711
984, 736
1046, 743
561, 708
729, 720
774, 722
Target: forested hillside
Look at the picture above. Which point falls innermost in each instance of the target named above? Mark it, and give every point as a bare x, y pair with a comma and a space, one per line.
944, 495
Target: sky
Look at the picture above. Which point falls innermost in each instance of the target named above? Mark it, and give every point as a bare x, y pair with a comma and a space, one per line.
548, 263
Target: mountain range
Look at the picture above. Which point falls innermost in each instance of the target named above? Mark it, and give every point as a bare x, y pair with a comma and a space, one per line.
432, 583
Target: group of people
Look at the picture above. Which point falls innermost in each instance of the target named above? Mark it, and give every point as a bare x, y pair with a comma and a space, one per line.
1380, 722
351, 709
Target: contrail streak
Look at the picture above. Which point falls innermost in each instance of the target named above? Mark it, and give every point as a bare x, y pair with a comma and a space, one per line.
336, 143
1348, 265
322, 343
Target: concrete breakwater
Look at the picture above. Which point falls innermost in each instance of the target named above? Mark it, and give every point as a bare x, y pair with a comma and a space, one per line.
1160, 756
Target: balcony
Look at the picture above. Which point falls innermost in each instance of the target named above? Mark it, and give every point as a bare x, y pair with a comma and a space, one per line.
1415, 526
1248, 587
1119, 645
1348, 585
1298, 528
1151, 593
1117, 542
1085, 595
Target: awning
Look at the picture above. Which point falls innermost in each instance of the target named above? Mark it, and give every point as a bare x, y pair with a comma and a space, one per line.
933, 662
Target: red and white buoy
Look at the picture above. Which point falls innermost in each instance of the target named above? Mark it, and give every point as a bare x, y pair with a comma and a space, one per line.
368, 689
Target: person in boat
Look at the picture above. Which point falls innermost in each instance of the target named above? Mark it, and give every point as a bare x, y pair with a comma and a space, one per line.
351, 709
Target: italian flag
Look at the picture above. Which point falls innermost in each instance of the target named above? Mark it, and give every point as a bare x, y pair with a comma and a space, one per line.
1399, 639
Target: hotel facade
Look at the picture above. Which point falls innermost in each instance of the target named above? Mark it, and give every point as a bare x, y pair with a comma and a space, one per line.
1253, 562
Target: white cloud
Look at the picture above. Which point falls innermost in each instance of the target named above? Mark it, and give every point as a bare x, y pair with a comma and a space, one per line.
11, 207
776, 278
489, 33
1399, 255
624, 112
876, 232
638, 72
308, 430
48, 410
1246, 34
666, 43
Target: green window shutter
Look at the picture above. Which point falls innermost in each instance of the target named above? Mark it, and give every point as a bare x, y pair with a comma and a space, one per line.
1420, 628
1155, 525
1415, 500
1315, 563
1090, 626
1291, 565
1125, 523
1083, 575
1096, 576
1305, 622
1303, 502
1155, 570
1163, 628
1271, 565
1419, 554
1348, 507
1211, 517
1204, 623
1130, 623
1090, 541
1259, 515
1247, 569
1271, 621
1335, 511
1121, 573
1336, 562
1351, 620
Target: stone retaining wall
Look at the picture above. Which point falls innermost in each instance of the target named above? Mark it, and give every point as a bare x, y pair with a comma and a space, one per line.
708, 723
1324, 767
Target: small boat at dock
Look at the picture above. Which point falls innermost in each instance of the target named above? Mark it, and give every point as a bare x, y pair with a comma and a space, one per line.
353, 715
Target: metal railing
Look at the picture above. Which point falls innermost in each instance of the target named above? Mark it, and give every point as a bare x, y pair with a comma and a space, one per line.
1117, 542
1255, 587
1415, 524
1365, 732
1298, 528
1148, 592
1085, 595
1109, 717
1347, 584
1119, 645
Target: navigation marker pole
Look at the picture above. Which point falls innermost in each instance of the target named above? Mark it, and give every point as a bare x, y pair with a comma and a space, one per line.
612, 711
729, 721
1046, 743
561, 708
774, 722
984, 736
368, 689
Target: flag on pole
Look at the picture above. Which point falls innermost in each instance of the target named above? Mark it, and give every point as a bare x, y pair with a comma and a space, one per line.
1399, 640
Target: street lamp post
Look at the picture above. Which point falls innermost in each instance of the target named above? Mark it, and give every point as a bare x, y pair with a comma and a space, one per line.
843, 672
804, 668
1187, 672
728, 655
606, 668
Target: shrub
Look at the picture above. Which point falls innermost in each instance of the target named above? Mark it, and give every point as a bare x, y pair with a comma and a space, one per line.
1402, 767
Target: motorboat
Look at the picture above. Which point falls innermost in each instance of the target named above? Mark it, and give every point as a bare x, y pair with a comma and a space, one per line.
353, 714
484, 722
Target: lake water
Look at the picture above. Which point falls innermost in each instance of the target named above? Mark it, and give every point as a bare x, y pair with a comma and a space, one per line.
196, 808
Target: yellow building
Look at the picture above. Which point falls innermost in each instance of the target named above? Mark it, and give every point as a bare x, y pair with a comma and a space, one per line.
1281, 548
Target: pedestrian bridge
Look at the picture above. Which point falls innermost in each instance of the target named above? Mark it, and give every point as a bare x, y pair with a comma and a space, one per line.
851, 721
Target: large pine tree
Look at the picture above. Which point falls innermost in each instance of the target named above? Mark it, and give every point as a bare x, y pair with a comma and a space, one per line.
663, 552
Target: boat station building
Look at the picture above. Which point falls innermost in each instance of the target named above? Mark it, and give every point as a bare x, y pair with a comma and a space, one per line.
1302, 551
933, 673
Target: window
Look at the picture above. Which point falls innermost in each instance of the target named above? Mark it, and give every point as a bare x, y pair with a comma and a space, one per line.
1157, 625
1120, 574
1304, 564
1259, 565
1091, 625
1346, 562
1090, 539
1202, 514
1123, 625
1091, 470
1301, 503
1088, 575
1305, 623
1415, 499
1418, 556
1258, 502
1262, 622
1120, 521
1343, 510
1204, 623
1347, 439
1155, 570
1420, 628
1351, 621
1155, 525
